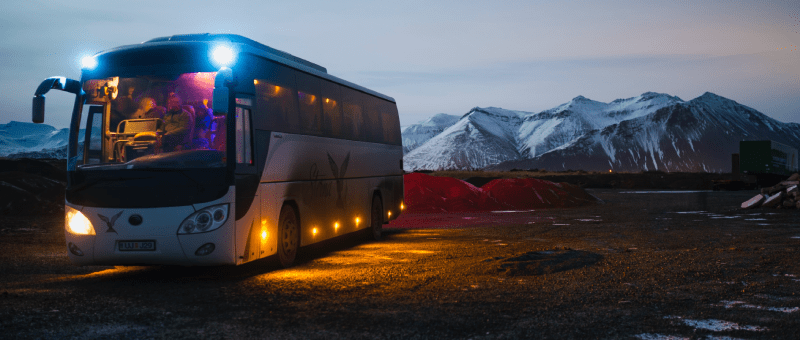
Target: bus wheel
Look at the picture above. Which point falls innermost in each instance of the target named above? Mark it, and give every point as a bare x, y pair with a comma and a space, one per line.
376, 218
289, 236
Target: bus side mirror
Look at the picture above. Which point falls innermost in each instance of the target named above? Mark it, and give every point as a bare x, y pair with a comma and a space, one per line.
38, 109
57, 83
221, 96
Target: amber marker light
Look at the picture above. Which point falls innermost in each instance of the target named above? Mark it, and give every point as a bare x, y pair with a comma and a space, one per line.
336, 226
402, 207
314, 231
255, 81
390, 213
358, 220
610, 171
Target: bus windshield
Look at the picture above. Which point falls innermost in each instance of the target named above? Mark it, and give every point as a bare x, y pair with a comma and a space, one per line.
152, 122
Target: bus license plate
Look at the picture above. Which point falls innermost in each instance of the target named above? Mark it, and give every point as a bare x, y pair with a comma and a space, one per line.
137, 245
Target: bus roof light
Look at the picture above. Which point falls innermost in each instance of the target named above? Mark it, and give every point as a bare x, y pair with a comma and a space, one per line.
222, 55
88, 63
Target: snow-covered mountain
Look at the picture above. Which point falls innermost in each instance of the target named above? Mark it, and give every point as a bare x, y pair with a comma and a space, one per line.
649, 132
417, 134
19, 139
482, 137
553, 128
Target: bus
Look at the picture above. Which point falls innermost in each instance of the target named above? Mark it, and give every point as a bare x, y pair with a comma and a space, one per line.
214, 149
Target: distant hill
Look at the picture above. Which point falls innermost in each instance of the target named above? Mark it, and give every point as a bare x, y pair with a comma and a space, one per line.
29, 140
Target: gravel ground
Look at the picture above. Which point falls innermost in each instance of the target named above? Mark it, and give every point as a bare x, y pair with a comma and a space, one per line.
644, 265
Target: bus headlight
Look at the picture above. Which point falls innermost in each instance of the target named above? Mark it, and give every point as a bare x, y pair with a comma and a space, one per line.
206, 219
77, 223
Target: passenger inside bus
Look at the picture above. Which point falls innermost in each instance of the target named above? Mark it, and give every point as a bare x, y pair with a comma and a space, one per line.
148, 109
178, 125
123, 107
202, 124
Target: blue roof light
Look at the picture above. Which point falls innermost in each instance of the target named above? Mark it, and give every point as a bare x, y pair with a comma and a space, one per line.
223, 56
88, 63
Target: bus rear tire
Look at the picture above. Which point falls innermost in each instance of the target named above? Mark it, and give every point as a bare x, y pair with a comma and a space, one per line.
288, 236
376, 218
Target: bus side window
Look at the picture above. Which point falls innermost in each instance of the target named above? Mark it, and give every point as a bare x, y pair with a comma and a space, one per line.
331, 110
391, 123
279, 104
372, 119
352, 125
310, 103
244, 148
94, 137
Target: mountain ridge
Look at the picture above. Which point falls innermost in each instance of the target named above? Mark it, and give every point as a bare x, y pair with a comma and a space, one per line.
652, 131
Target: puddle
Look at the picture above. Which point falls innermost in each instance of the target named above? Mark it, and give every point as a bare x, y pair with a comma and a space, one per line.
795, 237
510, 211
773, 297
588, 220
755, 219
717, 325
691, 212
722, 216
648, 336
560, 223
742, 304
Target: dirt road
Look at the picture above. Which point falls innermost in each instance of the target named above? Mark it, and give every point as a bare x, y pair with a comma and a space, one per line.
643, 265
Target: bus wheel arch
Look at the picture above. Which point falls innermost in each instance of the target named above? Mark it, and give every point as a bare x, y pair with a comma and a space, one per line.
289, 232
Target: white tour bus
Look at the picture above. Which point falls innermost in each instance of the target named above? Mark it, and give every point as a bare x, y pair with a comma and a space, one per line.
211, 149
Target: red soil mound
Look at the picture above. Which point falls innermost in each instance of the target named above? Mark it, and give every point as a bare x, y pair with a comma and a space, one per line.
427, 194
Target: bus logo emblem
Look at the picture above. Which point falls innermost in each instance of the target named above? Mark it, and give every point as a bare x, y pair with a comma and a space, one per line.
110, 223
338, 173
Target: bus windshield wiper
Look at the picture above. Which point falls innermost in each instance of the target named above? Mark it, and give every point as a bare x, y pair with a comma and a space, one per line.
182, 172
90, 183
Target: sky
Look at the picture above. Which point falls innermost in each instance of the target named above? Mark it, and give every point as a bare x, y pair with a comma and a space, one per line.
443, 56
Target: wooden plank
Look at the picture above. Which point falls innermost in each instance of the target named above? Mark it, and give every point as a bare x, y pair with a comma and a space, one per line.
754, 202
773, 200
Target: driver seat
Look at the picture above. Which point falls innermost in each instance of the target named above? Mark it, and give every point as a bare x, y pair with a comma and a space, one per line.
138, 137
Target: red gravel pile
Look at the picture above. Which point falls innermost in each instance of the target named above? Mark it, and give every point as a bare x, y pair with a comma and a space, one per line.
429, 194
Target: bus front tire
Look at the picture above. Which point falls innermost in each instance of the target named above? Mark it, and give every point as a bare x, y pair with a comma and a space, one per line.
289, 236
376, 218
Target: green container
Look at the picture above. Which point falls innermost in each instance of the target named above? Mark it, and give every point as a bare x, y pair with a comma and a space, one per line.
767, 157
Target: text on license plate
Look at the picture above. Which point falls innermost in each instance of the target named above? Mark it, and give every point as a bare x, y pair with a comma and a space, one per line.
136, 245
